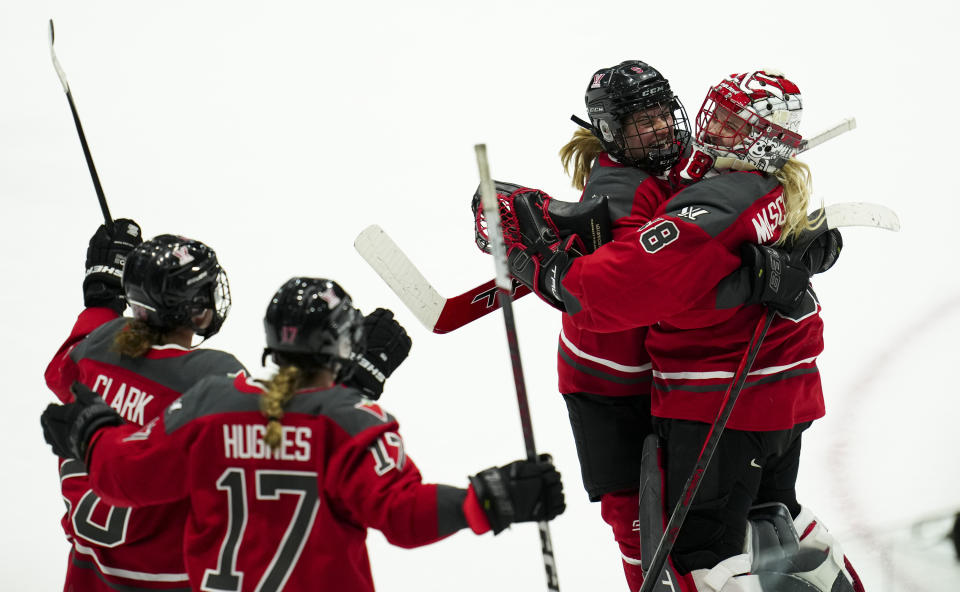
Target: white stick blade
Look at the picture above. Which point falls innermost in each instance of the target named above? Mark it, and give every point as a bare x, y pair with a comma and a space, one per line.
406, 281
854, 213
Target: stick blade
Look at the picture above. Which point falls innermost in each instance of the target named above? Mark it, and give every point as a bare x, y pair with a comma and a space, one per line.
392, 265
856, 213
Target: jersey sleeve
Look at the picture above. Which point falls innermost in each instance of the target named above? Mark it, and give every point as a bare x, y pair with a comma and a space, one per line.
375, 484
132, 465
674, 262
62, 371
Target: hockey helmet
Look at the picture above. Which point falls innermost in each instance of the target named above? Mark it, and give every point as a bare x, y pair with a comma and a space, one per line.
751, 118
311, 319
170, 279
636, 116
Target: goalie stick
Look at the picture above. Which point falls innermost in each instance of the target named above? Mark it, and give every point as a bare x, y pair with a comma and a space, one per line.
440, 314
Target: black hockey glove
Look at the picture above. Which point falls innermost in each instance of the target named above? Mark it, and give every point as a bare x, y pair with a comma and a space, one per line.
69, 428
775, 280
386, 345
823, 252
106, 254
522, 491
536, 255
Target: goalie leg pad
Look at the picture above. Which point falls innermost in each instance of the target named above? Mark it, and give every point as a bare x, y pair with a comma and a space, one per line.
826, 566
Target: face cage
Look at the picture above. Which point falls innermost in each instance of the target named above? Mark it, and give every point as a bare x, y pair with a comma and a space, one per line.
653, 143
744, 136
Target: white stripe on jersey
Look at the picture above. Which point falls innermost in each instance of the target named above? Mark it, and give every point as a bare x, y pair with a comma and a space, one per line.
724, 374
608, 363
126, 573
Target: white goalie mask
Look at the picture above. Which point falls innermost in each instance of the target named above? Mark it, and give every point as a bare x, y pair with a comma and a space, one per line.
750, 121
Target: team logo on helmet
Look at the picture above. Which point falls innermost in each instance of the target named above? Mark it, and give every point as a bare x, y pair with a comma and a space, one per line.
183, 255
596, 80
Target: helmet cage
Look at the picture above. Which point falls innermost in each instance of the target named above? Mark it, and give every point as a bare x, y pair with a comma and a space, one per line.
636, 116
757, 128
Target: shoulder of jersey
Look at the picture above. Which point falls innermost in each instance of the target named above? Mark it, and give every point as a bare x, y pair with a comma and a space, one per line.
344, 405
714, 204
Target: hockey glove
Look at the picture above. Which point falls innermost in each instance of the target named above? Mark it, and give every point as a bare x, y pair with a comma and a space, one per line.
69, 428
823, 252
504, 191
386, 346
106, 255
536, 255
522, 491
775, 280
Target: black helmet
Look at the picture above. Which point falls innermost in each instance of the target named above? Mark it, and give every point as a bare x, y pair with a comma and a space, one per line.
169, 280
311, 320
630, 87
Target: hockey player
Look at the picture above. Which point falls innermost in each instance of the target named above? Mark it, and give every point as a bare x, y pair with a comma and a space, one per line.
670, 277
637, 131
284, 476
176, 289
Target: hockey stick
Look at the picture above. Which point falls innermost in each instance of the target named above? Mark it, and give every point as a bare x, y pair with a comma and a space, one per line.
83, 138
504, 287
851, 214
440, 314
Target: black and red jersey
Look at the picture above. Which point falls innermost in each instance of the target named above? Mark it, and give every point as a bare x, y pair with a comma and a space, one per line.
118, 547
667, 275
294, 517
612, 363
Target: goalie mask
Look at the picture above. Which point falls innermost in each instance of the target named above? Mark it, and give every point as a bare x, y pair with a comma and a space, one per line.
636, 116
171, 280
312, 322
750, 121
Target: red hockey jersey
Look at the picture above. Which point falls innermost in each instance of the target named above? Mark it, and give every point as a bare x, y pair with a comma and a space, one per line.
293, 518
116, 547
669, 277
612, 363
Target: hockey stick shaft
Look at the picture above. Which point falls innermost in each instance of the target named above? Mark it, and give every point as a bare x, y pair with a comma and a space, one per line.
83, 138
841, 128
679, 513
504, 284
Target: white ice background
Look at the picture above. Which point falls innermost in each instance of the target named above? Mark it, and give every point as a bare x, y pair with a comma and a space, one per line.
276, 131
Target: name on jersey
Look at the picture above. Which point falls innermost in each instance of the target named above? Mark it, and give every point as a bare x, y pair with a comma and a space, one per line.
768, 220
245, 441
129, 401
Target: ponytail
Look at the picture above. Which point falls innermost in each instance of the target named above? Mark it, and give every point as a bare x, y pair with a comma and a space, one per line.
280, 389
136, 339
582, 149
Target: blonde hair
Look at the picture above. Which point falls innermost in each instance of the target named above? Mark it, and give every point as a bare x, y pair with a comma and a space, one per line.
797, 184
280, 390
136, 339
582, 149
